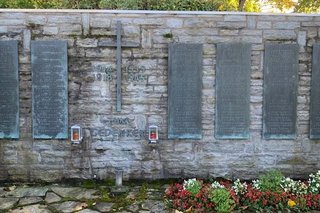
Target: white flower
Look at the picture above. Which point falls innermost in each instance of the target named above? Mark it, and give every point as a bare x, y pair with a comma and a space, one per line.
217, 185
239, 188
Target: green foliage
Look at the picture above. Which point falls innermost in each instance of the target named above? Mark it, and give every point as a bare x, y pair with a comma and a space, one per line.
222, 200
88, 184
184, 5
142, 195
168, 35
271, 181
252, 6
109, 182
193, 186
282, 4
308, 6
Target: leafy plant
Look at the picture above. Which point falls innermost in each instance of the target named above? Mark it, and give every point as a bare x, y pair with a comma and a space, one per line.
271, 181
89, 184
222, 200
193, 186
314, 183
239, 188
272, 192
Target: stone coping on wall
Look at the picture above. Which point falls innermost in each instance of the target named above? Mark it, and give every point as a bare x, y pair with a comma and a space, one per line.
158, 12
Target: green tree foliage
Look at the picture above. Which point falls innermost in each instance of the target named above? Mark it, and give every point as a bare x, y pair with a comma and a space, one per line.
308, 6
185, 5
282, 4
305, 6
302, 6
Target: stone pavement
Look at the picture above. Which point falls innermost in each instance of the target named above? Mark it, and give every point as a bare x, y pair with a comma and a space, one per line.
58, 198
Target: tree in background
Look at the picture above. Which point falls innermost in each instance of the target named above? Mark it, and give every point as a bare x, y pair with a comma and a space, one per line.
282, 5
302, 6
207, 5
308, 6
186, 5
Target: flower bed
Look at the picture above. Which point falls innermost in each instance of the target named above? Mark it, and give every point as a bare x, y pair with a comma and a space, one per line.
272, 192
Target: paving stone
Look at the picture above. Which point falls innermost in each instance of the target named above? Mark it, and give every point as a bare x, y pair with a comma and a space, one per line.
156, 195
7, 203
154, 206
29, 200
133, 207
132, 195
104, 206
2, 192
69, 206
32, 209
75, 192
52, 197
87, 211
29, 192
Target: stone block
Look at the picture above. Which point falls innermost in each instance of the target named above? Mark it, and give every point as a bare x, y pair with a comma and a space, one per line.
264, 25
231, 25
26, 40
279, 35
267, 17
131, 30
195, 22
88, 42
235, 18
99, 22
85, 23
151, 21
70, 29
50, 30
286, 25
302, 38
3, 29
12, 22
36, 19
62, 19
227, 32
310, 24
174, 23
251, 22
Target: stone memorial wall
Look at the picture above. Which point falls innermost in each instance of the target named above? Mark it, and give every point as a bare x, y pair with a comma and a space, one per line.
233, 94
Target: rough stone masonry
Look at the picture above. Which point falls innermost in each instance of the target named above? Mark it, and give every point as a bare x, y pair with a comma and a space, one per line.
115, 139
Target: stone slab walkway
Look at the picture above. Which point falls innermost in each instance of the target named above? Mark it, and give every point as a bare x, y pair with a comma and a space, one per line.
63, 198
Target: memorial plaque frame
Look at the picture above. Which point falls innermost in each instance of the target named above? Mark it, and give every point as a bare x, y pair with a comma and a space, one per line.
233, 91
315, 94
185, 91
280, 91
49, 63
9, 90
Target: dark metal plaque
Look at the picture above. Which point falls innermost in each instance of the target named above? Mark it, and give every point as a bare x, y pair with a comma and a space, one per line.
233, 91
185, 85
9, 90
315, 94
49, 89
280, 91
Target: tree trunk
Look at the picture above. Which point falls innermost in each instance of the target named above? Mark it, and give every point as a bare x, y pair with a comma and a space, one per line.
241, 5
